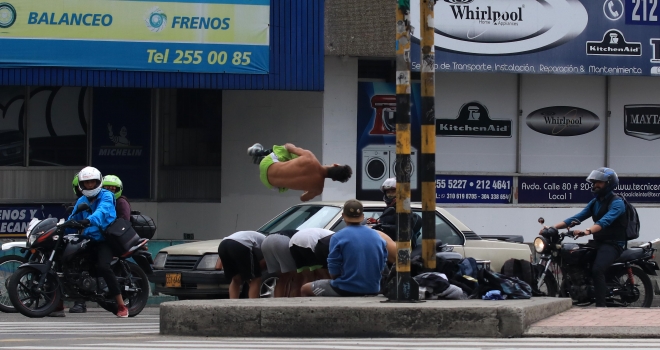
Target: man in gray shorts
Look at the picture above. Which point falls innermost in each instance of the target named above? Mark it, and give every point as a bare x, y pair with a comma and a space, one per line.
275, 248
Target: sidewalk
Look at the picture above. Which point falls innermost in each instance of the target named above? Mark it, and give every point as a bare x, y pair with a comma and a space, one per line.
355, 317
591, 322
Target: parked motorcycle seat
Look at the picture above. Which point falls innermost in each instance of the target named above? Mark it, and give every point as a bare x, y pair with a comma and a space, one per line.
630, 254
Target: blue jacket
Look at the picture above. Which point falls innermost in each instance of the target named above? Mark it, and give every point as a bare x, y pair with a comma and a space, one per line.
611, 227
357, 256
102, 214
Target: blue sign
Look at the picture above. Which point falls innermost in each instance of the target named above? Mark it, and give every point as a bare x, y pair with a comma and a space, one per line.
609, 37
14, 218
578, 190
553, 190
473, 189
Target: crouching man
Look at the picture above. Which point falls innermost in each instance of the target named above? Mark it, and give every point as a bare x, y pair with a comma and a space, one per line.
241, 258
356, 259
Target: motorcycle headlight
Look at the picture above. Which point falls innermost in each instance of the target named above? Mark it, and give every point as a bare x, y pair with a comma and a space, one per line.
540, 244
159, 262
31, 239
208, 262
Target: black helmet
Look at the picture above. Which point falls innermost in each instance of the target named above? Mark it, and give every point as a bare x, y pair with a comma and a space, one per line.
607, 175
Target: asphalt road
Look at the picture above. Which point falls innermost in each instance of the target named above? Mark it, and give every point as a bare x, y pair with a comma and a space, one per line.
100, 330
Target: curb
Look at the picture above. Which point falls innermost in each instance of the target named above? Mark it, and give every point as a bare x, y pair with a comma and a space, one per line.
355, 317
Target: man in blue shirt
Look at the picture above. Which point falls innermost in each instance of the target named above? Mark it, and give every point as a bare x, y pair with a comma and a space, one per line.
357, 258
609, 228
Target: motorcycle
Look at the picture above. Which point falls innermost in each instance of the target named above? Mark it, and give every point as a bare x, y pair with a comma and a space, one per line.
61, 267
628, 281
8, 265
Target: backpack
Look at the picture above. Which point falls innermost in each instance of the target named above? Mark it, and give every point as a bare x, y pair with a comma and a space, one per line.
630, 218
522, 270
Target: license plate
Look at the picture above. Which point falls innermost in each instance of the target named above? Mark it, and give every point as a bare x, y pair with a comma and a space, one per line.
173, 280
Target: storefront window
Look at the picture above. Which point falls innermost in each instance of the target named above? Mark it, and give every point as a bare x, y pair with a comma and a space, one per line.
11, 125
57, 126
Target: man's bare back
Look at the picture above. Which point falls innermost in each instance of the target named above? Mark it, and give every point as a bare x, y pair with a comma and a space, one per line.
304, 173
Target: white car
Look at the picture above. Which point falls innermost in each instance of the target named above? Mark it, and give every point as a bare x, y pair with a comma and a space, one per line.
188, 270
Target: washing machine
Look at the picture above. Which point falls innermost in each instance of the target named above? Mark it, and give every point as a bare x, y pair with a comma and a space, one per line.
413, 163
376, 165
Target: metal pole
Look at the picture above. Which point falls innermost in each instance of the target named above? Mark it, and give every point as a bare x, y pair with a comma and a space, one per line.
406, 288
428, 133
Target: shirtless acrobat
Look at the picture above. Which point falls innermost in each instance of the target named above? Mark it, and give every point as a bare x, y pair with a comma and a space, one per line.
290, 167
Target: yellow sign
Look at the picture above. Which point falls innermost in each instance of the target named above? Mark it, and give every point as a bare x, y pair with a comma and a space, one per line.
243, 22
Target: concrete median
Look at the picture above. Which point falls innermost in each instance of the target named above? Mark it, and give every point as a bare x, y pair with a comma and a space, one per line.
355, 317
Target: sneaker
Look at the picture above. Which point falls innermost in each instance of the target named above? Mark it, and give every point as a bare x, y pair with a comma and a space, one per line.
57, 313
122, 311
78, 308
255, 149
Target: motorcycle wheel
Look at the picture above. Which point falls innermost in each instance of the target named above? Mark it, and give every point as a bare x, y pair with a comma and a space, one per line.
8, 265
549, 286
135, 301
26, 299
635, 296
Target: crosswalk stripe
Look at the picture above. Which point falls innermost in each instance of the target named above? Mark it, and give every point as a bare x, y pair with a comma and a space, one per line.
76, 328
365, 344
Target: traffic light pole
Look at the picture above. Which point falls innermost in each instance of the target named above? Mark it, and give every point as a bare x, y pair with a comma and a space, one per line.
404, 288
428, 133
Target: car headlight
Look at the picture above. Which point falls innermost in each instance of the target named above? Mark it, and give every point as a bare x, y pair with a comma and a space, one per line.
159, 262
540, 244
208, 262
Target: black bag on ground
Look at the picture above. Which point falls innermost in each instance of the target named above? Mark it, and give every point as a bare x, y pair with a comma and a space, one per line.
513, 287
144, 225
121, 236
524, 271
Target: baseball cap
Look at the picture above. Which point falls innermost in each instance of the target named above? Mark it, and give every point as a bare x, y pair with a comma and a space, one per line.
353, 210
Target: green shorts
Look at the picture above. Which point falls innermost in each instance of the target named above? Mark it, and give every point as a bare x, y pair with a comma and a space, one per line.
279, 154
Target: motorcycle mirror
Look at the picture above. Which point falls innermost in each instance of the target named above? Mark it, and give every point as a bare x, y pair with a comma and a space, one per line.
81, 207
541, 221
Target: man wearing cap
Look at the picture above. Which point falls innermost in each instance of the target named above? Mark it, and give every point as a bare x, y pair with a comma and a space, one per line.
357, 257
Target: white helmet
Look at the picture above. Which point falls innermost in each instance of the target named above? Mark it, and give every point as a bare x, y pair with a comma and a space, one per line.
90, 173
388, 184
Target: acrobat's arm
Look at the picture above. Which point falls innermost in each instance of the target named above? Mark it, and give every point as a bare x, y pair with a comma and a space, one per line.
300, 152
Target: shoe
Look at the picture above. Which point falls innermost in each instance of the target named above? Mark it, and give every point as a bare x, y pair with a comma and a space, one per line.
255, 149
57, 313
122, 311
79, 307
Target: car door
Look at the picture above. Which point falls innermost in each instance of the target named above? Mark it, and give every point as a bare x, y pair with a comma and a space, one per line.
445, 232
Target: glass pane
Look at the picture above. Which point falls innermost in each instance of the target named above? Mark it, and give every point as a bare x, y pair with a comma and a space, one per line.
367, 214
57, 125
11, 125
443, 232
296, 217
446, 233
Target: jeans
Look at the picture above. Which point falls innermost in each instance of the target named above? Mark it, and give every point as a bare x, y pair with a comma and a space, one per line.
104, 257
606, 254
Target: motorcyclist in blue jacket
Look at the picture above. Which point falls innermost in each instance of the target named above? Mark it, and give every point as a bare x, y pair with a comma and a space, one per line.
608, 230
100, 215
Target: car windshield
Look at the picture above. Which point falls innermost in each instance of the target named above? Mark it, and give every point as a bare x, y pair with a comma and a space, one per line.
299, 217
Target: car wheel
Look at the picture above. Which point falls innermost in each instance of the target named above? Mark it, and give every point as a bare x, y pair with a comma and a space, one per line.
268, 287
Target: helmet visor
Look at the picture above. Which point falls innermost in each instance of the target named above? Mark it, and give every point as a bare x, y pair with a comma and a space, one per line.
597, 175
